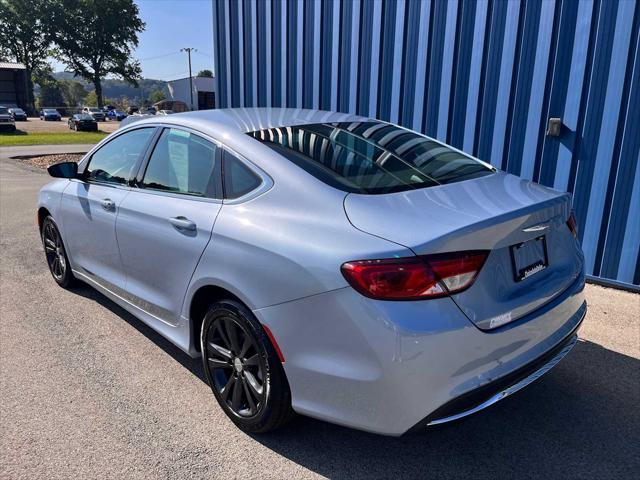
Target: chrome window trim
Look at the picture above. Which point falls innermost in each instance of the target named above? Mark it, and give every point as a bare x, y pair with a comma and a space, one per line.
183, 196
101, 184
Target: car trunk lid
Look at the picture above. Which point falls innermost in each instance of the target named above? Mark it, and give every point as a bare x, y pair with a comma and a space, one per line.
533, 255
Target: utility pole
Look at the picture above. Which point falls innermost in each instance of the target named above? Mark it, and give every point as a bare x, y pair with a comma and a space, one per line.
188, 50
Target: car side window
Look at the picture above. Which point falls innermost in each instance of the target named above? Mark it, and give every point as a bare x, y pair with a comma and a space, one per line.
114, 162
185, 163
238, 178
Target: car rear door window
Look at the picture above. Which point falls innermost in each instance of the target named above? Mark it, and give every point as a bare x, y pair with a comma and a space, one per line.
238, 178
185, 163
370, 157
114, 162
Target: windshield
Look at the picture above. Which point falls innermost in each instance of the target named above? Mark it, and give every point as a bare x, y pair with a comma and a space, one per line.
84, 116
17, 110
371, 157
4, 110
48, 110
94, 110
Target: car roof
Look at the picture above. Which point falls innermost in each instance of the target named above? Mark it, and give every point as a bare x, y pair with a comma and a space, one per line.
244, 120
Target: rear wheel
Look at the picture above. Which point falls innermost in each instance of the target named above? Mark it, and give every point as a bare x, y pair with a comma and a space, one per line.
243, 369
56, 255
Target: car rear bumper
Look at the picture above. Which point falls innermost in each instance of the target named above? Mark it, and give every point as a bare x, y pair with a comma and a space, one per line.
388, 367
491, 393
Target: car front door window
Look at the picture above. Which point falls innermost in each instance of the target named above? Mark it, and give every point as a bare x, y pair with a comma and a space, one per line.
115, 161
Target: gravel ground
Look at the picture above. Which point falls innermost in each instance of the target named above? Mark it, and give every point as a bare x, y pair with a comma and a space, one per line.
40, 126
88, 391
43, 161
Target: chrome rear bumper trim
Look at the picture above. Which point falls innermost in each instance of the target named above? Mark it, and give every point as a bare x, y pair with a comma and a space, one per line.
513, 388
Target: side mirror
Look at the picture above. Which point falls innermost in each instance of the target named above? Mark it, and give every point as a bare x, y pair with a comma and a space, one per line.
63, 170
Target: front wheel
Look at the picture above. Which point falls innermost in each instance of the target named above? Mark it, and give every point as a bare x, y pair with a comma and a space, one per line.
243, 369
56, 255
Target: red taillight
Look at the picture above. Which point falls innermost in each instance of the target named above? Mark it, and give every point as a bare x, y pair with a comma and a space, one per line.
415, 278
573, 225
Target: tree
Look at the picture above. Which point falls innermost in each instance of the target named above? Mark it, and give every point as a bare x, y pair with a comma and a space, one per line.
73, 92
25, 35
95, 38
91, 100
50, 94
205, 73
156, 96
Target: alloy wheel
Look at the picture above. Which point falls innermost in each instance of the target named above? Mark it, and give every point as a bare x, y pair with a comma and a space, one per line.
54, 251
236, 367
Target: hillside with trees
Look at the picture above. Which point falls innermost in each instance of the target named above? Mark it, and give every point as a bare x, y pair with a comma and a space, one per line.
95, 40
116, 90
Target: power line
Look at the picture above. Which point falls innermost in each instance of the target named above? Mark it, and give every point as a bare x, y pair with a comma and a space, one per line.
159, 56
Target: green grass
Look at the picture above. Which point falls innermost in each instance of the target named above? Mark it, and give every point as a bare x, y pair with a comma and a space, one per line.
63, 138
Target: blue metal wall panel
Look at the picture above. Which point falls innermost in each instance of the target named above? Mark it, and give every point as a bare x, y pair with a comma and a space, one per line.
483, 75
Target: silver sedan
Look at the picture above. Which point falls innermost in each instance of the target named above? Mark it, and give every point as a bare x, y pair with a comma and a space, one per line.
321, 263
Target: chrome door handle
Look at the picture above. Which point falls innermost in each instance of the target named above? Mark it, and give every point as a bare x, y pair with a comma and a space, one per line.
108, 204
183, 223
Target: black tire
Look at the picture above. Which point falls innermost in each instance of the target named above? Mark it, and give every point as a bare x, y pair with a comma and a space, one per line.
56, 254
248, 382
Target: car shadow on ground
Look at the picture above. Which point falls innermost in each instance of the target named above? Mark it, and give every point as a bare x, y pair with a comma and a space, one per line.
579, 421
16, 132
191, 364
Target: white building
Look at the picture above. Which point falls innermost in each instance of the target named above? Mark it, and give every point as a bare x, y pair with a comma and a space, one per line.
204, 96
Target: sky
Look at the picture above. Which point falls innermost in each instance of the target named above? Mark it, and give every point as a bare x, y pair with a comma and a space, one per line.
172, 25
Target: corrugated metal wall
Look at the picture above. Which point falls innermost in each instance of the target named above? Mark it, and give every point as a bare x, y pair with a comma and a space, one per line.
481, 75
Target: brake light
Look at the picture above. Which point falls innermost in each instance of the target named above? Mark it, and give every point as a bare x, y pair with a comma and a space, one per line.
415, 278
573, 224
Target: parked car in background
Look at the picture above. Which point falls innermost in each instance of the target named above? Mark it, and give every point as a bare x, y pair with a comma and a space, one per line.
18, 114
425, 286
149, 111
165, 112
7, 123
132, 109
97, 114
50, 114
116, 115
83, 121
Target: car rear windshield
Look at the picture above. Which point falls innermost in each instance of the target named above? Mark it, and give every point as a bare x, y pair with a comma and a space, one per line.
370, 157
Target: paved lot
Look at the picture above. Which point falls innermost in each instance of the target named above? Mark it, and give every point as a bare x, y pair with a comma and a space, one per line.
87, 391
35, 125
